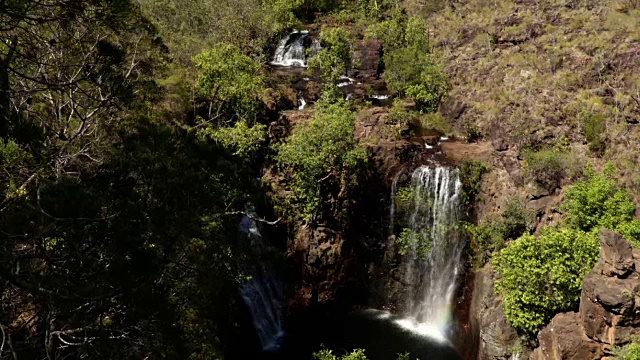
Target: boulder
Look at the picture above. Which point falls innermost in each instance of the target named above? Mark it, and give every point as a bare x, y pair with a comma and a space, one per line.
564, 339
616, 254
500, 144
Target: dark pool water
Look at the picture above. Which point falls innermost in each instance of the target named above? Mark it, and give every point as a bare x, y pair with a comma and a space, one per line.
375, 331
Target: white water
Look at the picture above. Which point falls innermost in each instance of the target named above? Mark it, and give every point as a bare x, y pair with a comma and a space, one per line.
263, 294
301, 101
291, 50
432, 278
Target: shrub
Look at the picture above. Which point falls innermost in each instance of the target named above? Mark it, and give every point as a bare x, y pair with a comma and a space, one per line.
598, 201
435, 121
594, 126
486, 238
471, 173
409, 69
547, 167
490, 235
539, 277
242, 138
419, 240
517, 218
629, 352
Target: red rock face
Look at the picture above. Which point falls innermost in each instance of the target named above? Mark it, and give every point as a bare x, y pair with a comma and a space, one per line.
564, 338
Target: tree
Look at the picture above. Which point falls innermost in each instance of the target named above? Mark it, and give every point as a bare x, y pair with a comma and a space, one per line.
409, 68
323, 156
335, 58
232, 84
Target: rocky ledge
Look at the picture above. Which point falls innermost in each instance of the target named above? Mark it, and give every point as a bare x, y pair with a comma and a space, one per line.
609, 308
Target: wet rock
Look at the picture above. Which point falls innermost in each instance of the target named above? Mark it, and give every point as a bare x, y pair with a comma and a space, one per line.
564, 339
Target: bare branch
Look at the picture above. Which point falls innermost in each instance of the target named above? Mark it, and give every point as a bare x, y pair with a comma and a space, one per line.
253, 217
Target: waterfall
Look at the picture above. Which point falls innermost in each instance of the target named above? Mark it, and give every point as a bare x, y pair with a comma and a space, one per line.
301, 101
264, 293
291, 50
434, 248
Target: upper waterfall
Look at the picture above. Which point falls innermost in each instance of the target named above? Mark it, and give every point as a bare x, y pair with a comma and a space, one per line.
291, 50
433, 247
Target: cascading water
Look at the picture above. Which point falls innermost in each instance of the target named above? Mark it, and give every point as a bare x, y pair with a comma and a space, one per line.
301, 101
291, 50
433, 258
263, 294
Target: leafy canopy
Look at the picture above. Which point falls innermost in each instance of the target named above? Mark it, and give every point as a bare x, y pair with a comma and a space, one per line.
409, 68
230, 81
336, 58
540, 277
322, 155
598, 201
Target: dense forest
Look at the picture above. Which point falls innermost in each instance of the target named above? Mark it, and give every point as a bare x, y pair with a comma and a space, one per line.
137, 135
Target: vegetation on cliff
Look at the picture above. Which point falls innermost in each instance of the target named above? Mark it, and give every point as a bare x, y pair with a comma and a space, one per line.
539, 277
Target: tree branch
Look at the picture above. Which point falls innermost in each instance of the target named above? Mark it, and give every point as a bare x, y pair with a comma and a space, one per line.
253, 217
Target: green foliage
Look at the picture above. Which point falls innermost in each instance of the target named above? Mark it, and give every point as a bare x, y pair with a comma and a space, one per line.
471, 173
490, 235
629, 352
326, 354
336, 57
539, 277
517, 218
409, 69
594, 125
391, 33
598, 201
323, 155
231, 82
420, 241
435, 121
630, 231
547, 166
357, 354
11, 154
244, 140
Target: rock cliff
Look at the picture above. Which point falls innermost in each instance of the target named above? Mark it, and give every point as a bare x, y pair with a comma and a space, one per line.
609, 308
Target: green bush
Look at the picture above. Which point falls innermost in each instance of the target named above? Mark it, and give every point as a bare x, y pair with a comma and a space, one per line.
326, 354
629, 352
486, 238
357, 354
322, 155
517, 218
594, 126
409, 69
547, 167
598, 201
471, 173
420, 240
540, 277
491, 234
